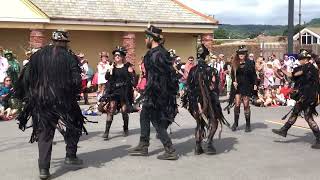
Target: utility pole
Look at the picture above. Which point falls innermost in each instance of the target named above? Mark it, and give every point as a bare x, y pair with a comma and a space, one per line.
300, 40
290, 26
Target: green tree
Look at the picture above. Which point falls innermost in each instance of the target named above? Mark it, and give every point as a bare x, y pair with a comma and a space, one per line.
296, 30
220, 34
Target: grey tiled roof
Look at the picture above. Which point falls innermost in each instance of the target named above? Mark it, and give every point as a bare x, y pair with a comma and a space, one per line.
169, 11
315, 30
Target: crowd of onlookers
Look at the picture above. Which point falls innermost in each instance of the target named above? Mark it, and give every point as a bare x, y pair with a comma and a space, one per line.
273, 88
9, 72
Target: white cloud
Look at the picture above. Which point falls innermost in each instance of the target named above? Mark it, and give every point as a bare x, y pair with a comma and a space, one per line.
254, 11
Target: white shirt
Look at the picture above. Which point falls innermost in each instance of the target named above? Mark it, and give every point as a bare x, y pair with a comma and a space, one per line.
4, 65
102, 69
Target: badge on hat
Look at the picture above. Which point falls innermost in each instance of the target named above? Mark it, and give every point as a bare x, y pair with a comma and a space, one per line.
154, 32
304, 54
60, 35
242, 49
121, 50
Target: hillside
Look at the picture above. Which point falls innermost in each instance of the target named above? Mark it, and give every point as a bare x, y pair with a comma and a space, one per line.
226, 31
314, 22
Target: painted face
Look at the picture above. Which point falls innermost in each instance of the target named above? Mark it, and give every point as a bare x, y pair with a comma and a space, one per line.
117, 57
8, 56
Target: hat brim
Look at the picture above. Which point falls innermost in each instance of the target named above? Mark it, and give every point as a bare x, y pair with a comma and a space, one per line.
117, 51
242, 51
154, 35
60, 40
8, 53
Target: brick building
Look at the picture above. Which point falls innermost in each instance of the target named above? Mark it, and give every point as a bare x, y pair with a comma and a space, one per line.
101, 25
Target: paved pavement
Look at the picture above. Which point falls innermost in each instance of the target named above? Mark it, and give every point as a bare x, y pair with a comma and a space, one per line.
259, 155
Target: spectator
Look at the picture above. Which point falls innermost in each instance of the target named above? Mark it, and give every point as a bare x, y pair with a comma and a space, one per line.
3, 67
268, 76
260, 64
84, 75
6, 113
5, 91
188, 66
190, 63
281, 100
227, 70
102, 67
178, 66
220, 68
14, 67
251, 56
267, 98
213, 60
286, 90
287, 63
219, 63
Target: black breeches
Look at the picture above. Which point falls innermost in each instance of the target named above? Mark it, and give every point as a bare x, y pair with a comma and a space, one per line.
45, 139
308, 115
148, 115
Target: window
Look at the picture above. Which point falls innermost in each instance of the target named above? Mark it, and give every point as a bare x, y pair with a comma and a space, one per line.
315, 40
306, 38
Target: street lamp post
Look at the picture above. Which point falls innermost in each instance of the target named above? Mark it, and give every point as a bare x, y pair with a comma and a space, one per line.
290, 26
300, 40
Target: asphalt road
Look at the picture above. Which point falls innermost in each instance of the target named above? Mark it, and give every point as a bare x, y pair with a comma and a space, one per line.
259, 155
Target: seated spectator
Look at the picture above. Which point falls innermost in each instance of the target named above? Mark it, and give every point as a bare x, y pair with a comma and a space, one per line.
6, 113
286, 90
267, 98
259, 101
281, 100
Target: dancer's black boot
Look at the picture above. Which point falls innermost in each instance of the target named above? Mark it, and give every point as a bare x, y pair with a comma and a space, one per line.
106, 132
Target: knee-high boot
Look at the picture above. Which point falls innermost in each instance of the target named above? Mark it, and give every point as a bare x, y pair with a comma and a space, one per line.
248, 124
236, 118
125, 118
106, 132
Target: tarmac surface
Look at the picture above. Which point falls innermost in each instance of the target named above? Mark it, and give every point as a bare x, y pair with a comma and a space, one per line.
259, 155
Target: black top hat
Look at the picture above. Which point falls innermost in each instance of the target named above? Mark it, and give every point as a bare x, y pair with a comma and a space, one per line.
304, 54
121, 50
242, 50
154, 32
60, 35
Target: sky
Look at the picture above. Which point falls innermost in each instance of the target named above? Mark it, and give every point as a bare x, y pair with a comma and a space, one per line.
274, 12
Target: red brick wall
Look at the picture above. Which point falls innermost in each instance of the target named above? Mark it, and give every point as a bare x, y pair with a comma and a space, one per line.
129, 42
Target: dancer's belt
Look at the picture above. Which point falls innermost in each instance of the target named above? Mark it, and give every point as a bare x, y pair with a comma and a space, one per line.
120, 84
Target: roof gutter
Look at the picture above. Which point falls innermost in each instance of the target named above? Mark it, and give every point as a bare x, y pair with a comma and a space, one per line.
131, 23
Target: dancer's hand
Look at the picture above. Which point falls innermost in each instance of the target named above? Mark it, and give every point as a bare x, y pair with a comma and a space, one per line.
235, 84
